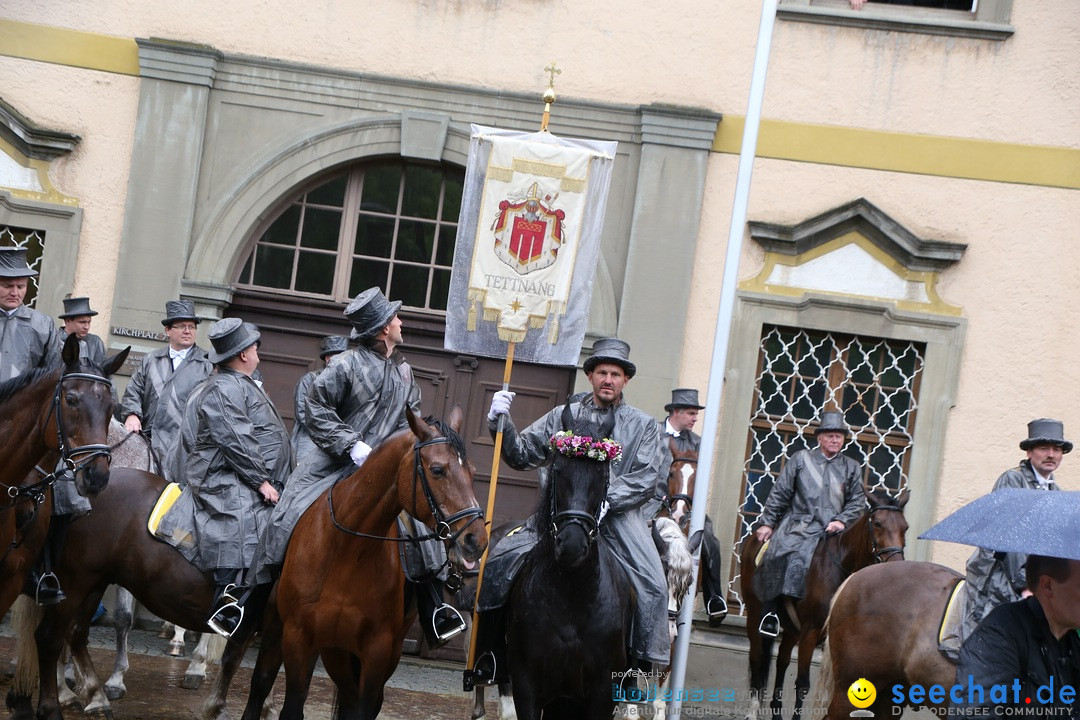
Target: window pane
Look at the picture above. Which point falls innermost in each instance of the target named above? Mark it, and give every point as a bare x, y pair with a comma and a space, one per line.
284, 229
440, 289
321, 229
382, 184
245, 274
422, 185
414, 241
315, 272
367, 273
374, 236
273, 267
409, 285
451, 208
444, 255
332, 193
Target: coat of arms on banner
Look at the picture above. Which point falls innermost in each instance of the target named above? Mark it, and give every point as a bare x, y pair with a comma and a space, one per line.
528, 239
528, 231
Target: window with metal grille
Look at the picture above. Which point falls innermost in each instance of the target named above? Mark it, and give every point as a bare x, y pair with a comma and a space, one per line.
800, 374
390, 223
33, 241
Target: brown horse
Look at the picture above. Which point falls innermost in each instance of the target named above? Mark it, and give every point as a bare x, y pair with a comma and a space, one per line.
883, 626
877, 536
342, 594
65, 410
680, 496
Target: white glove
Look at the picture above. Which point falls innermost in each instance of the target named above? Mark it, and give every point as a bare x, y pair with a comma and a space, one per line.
500, 404
604, 507
359, 452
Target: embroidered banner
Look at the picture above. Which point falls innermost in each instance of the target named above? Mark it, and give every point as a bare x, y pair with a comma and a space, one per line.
528, 238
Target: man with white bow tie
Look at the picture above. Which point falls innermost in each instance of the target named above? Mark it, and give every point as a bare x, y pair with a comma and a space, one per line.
155, 398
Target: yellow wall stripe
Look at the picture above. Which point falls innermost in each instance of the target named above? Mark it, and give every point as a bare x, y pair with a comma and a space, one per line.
905, 152
69, 47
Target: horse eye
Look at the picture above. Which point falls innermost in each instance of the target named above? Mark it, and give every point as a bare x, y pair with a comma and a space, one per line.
438, 470
71, 399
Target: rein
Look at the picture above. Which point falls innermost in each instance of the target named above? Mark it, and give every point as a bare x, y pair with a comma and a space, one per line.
443, 523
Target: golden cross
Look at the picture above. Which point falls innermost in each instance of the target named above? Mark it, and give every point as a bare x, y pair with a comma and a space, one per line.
552, 71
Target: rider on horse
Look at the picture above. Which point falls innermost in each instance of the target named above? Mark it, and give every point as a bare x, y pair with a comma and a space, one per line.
819, 491
624, 525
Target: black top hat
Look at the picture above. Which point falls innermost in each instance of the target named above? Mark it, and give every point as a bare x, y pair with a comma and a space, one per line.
610, 350
332, 345
832, 421
77, 307
370, 312
13, 263
1046, 431
683, 398
230, 337
177, 310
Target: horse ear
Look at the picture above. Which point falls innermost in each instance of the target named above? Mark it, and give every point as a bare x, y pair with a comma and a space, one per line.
416, 423
70, 352
567, 417
456, 418
874, 498
113, 363
903, 497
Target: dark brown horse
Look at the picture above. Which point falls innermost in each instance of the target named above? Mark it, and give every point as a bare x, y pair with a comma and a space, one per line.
65, 410
877, 536
341, 594
111, 545
883, 626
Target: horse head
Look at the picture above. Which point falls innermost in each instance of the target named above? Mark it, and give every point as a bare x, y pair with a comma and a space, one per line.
82, 407
680, 496
577, 485
441, 471
888, 526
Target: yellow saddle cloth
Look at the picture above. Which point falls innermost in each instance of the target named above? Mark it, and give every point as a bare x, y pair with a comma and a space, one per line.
164, 502
761, 553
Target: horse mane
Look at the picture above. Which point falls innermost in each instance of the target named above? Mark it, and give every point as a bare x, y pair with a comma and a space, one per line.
456, 441
12, 387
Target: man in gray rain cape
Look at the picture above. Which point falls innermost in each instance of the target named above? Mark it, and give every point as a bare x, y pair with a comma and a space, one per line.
624, 526
355, 404
236, 459
329, 347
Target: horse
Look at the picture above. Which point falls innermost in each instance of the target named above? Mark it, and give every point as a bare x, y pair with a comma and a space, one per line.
64, 409
111, 545
341, 594
680, 496
883, 626
676, 557
877, 536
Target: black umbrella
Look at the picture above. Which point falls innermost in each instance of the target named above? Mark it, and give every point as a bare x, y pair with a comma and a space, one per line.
1036, 522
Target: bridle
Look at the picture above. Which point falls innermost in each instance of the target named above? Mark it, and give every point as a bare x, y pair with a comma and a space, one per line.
563, 519
880, 555
676, 497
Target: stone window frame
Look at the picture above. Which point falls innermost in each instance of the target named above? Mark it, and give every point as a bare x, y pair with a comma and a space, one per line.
989, 21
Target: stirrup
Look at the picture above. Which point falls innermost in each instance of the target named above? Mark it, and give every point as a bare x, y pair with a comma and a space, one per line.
450, 624
47, 591
226, 619
770, 625
482, 673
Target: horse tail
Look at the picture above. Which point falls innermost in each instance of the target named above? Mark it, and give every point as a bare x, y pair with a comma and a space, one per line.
832, 604
679, 560
25, 616
823, 688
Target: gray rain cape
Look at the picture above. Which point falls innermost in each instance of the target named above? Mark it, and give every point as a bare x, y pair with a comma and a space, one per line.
624, 528
233, 440
28, 340
810, 492
362, 395
157, 395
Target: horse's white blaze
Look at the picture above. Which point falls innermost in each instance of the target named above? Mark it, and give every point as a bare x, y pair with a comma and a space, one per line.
687, 472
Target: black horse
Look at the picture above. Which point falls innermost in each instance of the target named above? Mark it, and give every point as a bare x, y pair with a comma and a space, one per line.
569, 612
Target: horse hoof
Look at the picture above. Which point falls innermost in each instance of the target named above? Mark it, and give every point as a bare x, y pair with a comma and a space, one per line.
100, 713
192, 682
114, 692
176, 649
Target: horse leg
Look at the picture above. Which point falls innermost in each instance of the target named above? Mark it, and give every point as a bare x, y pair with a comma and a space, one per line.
50, 636
783, 660
231, 654
807, 642
25, 616
123, 621
298, 674
478, 709
267, 665
176, 645
760, 657
343, 668
96, 701
209, 650
507, 708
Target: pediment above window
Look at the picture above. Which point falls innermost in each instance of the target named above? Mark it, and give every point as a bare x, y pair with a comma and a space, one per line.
26, 151
855, 250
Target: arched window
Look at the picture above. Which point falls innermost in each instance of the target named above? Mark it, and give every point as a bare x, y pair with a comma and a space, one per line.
390, 223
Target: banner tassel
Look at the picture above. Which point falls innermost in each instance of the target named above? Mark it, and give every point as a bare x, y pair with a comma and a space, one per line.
470, 323
553, 330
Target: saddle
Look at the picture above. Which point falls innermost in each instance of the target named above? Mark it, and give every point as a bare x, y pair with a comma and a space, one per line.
165, 501
949, 632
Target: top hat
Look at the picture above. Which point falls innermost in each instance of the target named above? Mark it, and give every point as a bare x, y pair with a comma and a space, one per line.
1046, 431
610, 350
683, 398
230, 337
177, 310
13, 263
77, 307
832, 421
370, 312
332, 345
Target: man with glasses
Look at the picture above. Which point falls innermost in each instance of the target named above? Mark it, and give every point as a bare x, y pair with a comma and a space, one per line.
155, 398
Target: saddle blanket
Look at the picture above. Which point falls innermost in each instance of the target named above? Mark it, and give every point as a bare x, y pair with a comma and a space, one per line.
164, 502
956, 609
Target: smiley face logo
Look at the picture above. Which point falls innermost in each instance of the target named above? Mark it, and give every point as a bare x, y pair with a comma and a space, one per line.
862, 693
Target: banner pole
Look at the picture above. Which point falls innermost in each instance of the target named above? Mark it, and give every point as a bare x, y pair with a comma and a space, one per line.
490, 512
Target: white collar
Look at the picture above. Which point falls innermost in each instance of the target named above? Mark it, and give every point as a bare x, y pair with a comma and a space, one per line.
669, 429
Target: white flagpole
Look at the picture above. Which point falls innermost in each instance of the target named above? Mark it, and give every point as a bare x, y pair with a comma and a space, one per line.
723, 332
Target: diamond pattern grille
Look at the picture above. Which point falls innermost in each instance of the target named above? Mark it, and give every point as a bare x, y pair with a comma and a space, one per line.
801, 373
33, 241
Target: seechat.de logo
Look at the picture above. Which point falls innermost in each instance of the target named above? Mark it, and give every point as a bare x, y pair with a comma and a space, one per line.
862, 695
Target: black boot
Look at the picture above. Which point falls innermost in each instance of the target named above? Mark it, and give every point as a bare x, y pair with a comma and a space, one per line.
43, 586
228, 604
489, 667
770, 621
439, 620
